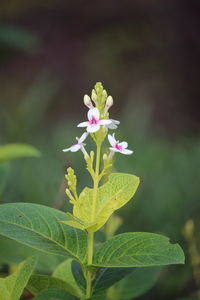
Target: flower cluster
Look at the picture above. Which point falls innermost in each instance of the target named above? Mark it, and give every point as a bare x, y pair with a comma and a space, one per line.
98, 117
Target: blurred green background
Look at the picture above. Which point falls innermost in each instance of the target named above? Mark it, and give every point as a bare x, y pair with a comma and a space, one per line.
146, 54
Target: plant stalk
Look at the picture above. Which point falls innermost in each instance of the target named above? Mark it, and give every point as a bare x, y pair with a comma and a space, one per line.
91, 234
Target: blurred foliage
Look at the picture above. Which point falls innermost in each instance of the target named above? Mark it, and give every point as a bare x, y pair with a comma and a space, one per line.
16, 38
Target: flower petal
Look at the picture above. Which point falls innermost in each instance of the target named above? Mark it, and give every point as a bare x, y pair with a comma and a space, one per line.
105, 122
75, 148
83, 137
83, 124
93, 112
124, 145
93, 128
67, 149
114, 149
127, 151
112, 139
113, 125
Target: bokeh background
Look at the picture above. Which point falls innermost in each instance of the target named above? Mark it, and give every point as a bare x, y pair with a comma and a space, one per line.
146, 54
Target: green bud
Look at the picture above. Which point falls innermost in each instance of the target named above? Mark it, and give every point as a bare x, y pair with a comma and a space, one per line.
94, 96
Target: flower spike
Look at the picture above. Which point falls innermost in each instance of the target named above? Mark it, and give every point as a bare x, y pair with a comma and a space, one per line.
117, 146
93, 124
79, 146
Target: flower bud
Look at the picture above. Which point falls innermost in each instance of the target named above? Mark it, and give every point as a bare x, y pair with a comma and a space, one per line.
94, 96
87, 101
104, 93
109, 101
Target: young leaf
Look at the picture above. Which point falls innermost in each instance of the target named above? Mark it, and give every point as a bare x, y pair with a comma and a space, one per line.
39, 283
135, 284
138, 249
64, 272
12, 151
55, 294
11, 287
39, 227
114, 194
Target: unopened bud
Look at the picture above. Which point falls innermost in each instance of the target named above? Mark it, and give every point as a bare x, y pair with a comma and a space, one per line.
94, 96
87, 101
109, 101
104, 93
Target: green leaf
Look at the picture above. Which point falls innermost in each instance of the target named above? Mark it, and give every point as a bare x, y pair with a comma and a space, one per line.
138, 249
114, 194
105, 277
135, 284
55, 294
78, 275
11, 287
64, 272
13, 151
39, 283
39, 227
46, 262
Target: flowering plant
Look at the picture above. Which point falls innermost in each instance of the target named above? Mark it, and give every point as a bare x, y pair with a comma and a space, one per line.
89, 271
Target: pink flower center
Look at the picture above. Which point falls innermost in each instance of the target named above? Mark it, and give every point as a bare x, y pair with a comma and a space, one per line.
93, 121
118, 147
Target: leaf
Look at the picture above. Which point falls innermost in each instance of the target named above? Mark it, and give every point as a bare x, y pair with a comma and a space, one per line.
46, 262
138, 249
114, 194
11, 287
135, 284
78, 275
64, 272
13, 151
55, 294
106, 277
74, 222
39, 283
38, 226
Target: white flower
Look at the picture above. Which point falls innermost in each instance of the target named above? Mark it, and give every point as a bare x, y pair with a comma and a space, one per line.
93, 124
113, 125
117, 146
79, 146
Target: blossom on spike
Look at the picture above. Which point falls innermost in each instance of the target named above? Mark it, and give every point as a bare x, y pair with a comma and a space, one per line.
113, 125
93, 124
87, 101
117, 146
79, 146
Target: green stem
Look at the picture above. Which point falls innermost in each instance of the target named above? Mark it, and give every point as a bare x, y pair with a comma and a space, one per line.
91, 234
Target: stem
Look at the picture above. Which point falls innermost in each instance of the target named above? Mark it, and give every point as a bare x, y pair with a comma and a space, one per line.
91, 234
